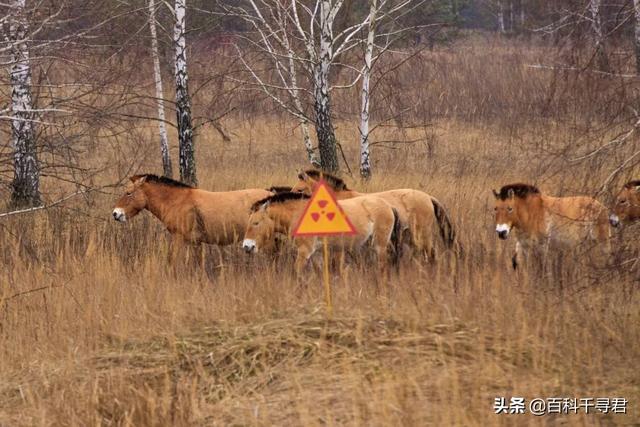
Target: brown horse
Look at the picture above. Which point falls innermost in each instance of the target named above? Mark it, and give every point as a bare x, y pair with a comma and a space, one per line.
417, 210
626, 208
539, 220
191, 215
374, 220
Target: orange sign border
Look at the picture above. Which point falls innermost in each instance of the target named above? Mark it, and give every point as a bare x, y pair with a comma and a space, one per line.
320, 184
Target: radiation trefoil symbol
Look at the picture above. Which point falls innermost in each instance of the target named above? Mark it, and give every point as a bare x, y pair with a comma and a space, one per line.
323, 215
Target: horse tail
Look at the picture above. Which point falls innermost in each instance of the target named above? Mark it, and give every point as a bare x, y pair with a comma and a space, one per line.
447, 232
396, 238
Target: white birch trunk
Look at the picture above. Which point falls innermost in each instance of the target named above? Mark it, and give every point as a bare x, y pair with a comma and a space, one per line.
26, 178
322, 104
162, 128
183, 103
598, 34
501, 26
365, 155
304, 123
636, 34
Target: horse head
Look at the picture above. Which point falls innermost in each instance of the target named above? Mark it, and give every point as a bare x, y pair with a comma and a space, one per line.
261, 228
132, 202
305, 183
626, 207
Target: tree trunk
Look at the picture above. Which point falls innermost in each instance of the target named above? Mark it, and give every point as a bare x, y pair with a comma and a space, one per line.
501, 26
522, 15
304, 123
365, 155
636, 7
26, 176
602, 60
511, 16
183, 103
164, 141
322, 103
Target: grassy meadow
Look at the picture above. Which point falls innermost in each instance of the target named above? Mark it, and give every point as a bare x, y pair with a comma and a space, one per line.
96, 329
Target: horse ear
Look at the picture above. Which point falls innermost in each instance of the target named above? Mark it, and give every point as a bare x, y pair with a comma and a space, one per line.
511, 193
495, 194
638, 188
138, 179
264, 206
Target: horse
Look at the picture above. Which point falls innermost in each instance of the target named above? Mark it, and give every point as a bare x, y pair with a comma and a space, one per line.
626, 208
417, 210
373, 219
539, 220
191, 215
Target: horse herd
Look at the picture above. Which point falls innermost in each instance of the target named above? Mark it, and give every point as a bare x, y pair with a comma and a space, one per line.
388, 221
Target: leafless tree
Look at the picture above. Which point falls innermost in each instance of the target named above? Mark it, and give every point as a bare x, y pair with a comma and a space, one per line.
162, 128
296, 36
183, 101
26, 180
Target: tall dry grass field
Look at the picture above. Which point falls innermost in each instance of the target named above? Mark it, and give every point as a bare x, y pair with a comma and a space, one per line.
97, 329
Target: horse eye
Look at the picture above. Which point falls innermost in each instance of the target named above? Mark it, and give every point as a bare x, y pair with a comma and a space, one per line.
510, 209
622, 202
255, 224
495, 209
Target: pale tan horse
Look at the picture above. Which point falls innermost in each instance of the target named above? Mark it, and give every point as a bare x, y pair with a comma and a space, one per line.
374, 220
539, 221
626, 208
191, 215
419, 212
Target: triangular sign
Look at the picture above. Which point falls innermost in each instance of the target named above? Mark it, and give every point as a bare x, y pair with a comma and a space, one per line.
323, 215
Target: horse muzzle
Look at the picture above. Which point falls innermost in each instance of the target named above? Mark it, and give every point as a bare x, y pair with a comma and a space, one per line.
249, 246
503, 231
614, 220
119, 215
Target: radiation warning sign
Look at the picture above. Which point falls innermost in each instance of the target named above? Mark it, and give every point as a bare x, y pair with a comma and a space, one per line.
323, 215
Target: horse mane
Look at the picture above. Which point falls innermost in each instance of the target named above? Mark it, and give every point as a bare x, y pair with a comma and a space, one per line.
279, 198
279, 189
632, 184
335, 182
161, 180
519, 190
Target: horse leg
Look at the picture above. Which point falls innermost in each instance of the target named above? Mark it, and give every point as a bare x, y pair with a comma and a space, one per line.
517, 256
305, 251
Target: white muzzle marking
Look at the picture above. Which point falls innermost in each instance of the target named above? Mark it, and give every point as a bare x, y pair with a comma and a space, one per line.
614, 220
503, 228
119, 215
249, 245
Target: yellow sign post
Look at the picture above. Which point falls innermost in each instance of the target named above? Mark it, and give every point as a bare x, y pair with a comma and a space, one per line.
324, 217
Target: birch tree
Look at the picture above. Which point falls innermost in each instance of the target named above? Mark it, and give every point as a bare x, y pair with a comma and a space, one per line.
295, 35
162, 129
365, 155
183, 102
26, 180
595, 9
501, 25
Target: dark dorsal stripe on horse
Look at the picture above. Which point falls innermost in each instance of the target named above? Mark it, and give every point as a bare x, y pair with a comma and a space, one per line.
519, 190
161, 180
632, 184
279, 189
278, 198
335, 182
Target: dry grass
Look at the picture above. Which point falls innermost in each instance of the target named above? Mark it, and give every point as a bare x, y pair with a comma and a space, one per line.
95, 329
